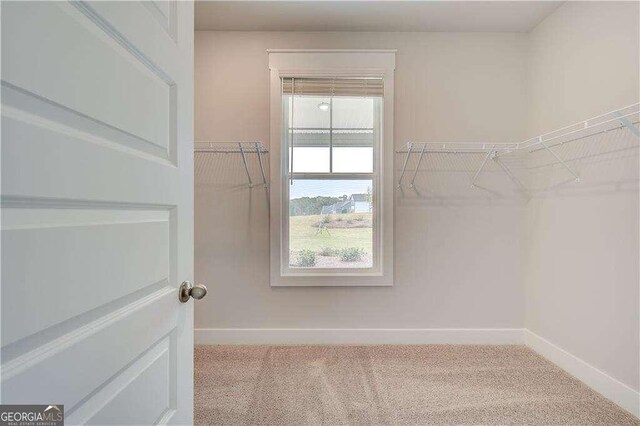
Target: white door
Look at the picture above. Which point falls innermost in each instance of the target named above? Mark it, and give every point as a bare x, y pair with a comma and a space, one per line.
97, 195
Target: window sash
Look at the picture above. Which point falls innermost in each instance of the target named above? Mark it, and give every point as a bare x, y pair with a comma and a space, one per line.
292, 140
313, 271
297, 137
286, 269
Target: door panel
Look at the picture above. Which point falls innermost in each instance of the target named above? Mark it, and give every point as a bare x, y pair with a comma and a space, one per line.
145, 394
87, 63
133, 254
80, 362
97, 220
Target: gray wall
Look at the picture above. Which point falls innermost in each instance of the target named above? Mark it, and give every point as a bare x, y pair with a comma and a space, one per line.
581, 272
456, 266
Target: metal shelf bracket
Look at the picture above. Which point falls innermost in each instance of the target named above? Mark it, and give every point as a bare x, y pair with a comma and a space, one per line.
404, 166
560, 160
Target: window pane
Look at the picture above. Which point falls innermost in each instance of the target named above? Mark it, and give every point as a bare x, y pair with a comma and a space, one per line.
310, 152
310, 160
309, 135
352, 160
310, 112
353, 113
353, 134
330, 223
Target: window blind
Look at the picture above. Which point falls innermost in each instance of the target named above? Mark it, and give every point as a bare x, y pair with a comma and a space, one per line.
356, 87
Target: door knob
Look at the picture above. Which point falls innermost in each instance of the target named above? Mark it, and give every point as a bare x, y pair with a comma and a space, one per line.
187, 290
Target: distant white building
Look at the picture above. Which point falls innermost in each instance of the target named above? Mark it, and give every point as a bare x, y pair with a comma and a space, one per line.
355, 203
361, 203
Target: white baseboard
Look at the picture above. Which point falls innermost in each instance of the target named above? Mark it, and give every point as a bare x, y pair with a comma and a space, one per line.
599, 381
252, 336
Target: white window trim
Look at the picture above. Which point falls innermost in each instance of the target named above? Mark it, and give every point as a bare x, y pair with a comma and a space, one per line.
353, 63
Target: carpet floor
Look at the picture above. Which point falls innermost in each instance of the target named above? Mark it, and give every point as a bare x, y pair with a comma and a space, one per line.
391, 385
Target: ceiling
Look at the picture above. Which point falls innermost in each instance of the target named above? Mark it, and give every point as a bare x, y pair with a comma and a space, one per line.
365, 15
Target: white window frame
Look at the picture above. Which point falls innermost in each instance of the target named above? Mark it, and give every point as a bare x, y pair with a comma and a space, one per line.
332, 63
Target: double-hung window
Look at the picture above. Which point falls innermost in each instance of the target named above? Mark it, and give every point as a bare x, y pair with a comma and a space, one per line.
331, 191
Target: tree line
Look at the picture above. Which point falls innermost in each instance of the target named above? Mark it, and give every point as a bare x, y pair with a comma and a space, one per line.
307, 205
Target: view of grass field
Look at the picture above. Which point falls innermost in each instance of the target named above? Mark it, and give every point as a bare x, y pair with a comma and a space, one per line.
333, 233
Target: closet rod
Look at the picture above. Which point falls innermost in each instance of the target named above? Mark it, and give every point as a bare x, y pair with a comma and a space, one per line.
592, 126
210, 147
230, 151
243, 148
632, 123
456, 147
538, 143
616, 113
620, 115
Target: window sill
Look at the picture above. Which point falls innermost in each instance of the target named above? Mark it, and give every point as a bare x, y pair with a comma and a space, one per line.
360, 280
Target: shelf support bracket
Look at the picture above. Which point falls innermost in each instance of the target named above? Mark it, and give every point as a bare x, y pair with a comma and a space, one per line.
513, 178
246, 167
565, 165
490, 154
404, 166
259, 153
415, 173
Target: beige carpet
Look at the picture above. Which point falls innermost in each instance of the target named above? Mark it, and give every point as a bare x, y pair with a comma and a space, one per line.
391, 385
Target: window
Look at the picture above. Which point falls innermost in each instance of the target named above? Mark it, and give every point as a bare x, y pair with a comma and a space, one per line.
331, 130
329, 208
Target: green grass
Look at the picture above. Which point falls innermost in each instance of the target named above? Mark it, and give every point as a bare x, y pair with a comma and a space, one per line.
302, 231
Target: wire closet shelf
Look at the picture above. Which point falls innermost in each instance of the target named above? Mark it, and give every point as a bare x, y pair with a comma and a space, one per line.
244, 149
518, 160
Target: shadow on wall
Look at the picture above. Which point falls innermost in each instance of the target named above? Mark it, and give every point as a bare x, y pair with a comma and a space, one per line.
606, 162
445, 178
224, 200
